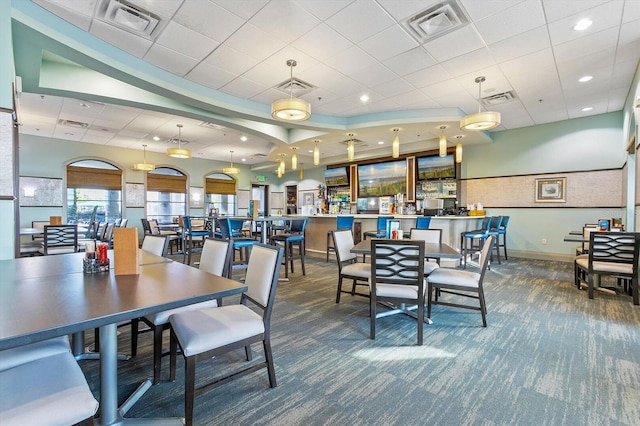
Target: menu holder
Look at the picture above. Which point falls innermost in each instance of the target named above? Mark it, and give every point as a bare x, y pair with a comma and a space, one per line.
125, 251
393, 226
55, 220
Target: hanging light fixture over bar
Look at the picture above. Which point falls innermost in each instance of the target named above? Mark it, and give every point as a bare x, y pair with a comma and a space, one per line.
486, 120
144, 166
351, 149
231, 170
291, 109
179, 152
316, 153
282, 166
459, 149
395, 145
442, 142
301, 176
294, 159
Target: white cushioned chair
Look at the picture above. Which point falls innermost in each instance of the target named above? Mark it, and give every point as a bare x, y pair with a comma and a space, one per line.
215, 259
461, 283
348, 265
42, 384
206, 333
432, 235
397, 277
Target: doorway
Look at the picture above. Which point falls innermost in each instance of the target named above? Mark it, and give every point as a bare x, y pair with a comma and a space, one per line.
260, 192
292, 199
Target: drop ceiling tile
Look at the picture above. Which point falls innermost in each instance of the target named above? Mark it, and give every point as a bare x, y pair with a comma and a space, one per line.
254, 42
322, 42
526, 70
274, 70
469, 62
360, 20
231, 60
631, 11
550, 115
439, 90
374, 75
388, 43
208, 19
286, 21
393, 87
455, 43
133, 44
410, 61
350, 60
629, 42
244, 88
604, 41
511, 21
559, 9
623, 73
244, 9
478, 10
321, 75
170, 60
210, 76
428, 76
77, 12
324, 9
186, 41
520, 44
604, 17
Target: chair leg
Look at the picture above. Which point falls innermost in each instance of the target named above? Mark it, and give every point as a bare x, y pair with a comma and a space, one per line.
328, 238
302, 253
157, 353
134, 336
372, 318
429, 294
248, 353
339, 289
189, 388
483, 308
173, 350
270, 367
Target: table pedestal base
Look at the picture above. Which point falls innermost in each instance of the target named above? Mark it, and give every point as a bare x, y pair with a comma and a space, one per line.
402, 309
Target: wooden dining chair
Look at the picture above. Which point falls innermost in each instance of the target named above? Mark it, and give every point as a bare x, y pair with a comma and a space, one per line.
397, 277
203, 334
348, 265
459, 282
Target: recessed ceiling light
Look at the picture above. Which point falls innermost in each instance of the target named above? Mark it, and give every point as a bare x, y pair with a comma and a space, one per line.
244, 159
582, 25
364, 98
243, 138
311, 151
585, 109
585, 78
380, 142
156, 138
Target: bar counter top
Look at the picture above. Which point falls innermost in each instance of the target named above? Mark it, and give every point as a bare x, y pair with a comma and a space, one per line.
375, 216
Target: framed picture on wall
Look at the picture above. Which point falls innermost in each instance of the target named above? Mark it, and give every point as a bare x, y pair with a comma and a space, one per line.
307, 198
551, 190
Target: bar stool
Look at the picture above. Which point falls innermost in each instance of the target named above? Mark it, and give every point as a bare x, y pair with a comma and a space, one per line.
289, 240
381, 231
473, 241
240, 243
187, 238
423, 222
343, 223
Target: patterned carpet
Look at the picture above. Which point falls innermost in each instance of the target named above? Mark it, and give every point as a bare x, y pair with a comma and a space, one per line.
549, 356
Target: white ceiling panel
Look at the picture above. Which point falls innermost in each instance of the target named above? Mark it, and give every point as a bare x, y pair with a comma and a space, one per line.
347, 48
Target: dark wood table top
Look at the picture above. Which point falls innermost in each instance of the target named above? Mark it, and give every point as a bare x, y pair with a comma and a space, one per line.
49, 296
434, 250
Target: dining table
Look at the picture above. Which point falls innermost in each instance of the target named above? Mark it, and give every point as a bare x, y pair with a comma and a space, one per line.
431, 250
49, 296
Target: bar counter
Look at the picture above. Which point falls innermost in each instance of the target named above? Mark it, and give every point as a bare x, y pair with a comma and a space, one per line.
452, 226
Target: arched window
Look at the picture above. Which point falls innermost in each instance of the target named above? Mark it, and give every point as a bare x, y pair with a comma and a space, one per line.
220, 192
166, 194
93, 185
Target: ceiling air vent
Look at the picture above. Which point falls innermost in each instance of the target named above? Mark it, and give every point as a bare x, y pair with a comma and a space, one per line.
437, 20
210, 125
356, 142
128, 17
174, 141
500, 98
299, 87
72, 123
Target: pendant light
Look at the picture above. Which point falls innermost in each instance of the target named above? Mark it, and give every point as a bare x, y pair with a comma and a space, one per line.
144, 166
482, 120
291, 109
459, 149
179, 152
231, 170
294, 159
395, 145
301, 175
316, 153
351, 149
442, 140
282, 166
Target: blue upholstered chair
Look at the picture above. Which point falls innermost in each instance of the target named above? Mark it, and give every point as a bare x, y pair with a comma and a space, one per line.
188, 234
473, 241
423, 222
295, 237
381, 230
502, 236
343, 223
241, 244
